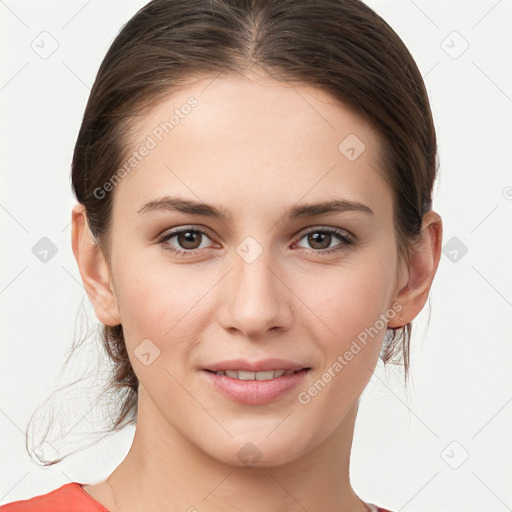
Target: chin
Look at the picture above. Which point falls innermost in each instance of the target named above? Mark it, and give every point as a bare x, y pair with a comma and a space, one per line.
260, 451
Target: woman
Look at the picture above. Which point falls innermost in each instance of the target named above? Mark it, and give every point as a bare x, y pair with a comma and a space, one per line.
254, 229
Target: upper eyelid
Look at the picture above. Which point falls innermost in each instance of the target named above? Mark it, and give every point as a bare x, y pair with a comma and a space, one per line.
329, 229
177, 231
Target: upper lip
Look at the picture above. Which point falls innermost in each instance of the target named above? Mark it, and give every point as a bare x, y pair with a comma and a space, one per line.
263, 365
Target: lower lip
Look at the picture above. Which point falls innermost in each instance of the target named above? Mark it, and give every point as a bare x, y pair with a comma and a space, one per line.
255, 392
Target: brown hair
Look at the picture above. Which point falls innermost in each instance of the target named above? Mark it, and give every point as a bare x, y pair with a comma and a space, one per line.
340, 46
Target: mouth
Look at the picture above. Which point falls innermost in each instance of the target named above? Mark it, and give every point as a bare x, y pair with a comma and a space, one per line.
255, 383
247, 375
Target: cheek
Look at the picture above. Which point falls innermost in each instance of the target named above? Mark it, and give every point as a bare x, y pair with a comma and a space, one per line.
352, 298
162, 302
352, 310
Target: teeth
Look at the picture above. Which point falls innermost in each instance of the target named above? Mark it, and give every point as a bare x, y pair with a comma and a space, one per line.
269, 375
243, 375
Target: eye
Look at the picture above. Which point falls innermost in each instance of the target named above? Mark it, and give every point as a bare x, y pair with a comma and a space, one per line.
190, 240
321, 239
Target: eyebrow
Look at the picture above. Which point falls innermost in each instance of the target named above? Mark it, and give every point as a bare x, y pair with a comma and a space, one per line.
170, 203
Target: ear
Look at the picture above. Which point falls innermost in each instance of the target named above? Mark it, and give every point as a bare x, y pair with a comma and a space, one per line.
93, 269
420, 271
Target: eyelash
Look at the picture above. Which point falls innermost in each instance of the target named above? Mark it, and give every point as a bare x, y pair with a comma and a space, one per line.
347, 241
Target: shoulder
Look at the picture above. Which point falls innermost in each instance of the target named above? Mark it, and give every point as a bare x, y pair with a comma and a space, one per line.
68, 497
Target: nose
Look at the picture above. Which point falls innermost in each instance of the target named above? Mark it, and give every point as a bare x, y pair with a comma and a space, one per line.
254, 298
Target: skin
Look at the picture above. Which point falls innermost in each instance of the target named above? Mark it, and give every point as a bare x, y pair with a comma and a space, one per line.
255, 147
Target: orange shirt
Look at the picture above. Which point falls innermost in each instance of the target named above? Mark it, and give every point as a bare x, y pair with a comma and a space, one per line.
72, 498
68, 498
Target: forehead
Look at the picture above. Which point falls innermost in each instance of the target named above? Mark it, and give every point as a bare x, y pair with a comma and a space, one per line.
244, 138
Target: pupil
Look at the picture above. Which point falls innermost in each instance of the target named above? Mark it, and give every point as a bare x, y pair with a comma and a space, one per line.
187, 238
317, 238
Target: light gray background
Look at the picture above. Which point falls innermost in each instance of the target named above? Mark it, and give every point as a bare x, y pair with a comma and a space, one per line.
446, 444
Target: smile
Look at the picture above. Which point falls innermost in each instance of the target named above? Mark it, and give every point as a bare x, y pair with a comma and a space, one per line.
255, 388
245, 375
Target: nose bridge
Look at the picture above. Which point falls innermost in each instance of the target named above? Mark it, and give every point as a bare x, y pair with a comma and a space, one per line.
254, 301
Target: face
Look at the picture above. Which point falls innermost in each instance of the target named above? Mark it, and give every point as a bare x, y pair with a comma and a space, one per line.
259, 279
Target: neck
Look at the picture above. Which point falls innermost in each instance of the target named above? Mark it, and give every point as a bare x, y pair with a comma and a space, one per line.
164, 471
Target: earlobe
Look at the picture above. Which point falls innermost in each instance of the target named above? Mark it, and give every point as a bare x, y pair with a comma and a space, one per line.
93, 269
422, 267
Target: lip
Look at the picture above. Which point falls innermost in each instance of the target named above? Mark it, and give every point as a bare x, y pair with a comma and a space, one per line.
255, 392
